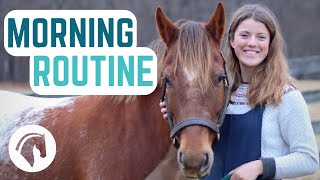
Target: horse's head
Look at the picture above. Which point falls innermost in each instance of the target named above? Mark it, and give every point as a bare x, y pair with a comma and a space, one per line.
194, 75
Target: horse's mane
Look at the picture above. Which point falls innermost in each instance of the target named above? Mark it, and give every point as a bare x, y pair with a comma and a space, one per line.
192, 50
159, 48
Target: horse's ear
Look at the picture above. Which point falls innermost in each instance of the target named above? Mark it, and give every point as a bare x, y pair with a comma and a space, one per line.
217, 23
167, 30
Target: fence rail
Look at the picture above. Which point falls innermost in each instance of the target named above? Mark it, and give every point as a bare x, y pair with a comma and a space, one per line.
305, 67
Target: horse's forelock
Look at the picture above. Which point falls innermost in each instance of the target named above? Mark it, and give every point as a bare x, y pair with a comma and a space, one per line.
193, 53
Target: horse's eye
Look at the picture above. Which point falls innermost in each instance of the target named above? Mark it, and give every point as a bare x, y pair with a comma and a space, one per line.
167, 81
219, 79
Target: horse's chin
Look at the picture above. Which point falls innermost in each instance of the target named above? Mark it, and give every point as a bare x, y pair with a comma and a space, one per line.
196, 175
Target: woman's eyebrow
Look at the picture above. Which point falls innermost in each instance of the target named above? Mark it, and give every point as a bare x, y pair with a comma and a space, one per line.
262, 33
244, 31
248, 32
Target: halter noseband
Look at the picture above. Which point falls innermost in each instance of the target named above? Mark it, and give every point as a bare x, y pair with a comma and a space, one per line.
195, 120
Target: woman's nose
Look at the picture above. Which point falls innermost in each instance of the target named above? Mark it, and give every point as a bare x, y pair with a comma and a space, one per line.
252, 41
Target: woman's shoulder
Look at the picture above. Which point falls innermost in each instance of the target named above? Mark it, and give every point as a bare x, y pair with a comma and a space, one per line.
291, 97
287, 88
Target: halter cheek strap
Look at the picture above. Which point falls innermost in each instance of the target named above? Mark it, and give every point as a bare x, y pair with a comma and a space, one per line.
163, 98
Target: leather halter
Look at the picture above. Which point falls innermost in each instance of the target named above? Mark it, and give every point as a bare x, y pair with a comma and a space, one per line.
196, 120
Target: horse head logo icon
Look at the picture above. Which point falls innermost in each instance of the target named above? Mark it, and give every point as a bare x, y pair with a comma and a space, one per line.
37, 142
32, 148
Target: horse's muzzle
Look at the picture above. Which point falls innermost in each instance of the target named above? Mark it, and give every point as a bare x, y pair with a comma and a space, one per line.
195, 165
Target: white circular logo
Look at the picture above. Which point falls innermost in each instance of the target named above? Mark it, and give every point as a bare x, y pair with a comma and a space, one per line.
32, 148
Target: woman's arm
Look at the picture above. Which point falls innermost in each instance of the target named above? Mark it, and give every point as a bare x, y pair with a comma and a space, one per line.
297, 132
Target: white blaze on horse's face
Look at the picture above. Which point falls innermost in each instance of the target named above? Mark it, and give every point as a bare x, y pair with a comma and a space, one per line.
193, 63
190, 74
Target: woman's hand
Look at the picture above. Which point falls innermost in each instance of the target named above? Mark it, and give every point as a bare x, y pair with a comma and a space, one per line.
248, 171
163, 109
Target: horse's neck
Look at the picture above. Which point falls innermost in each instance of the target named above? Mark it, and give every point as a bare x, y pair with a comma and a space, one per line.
150, 118
141, 120
167, 168
147, 107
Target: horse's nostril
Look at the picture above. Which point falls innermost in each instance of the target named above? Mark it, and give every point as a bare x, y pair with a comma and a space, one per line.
206, 160
181, 157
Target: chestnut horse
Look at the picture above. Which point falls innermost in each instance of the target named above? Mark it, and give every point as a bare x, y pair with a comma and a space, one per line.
125, 137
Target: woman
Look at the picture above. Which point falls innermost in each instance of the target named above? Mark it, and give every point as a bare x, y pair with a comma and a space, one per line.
267, 131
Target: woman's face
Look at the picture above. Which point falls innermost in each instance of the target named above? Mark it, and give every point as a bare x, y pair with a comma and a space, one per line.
251, 43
